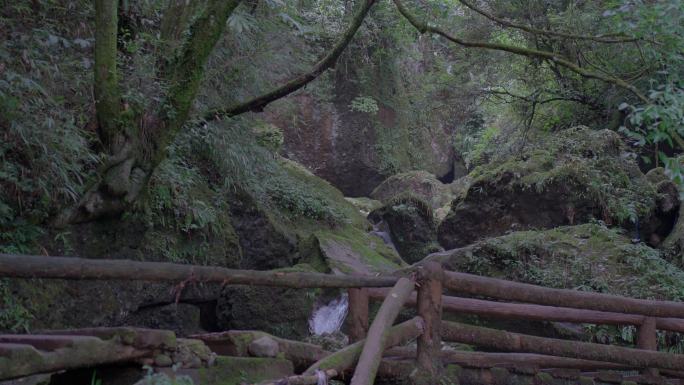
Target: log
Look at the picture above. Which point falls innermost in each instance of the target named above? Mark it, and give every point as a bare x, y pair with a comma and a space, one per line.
347, 357
26, 266
515, 342
21, 360
429, 302
486, 360
537, 312
522, 292
302, 380
375, 343
358, 313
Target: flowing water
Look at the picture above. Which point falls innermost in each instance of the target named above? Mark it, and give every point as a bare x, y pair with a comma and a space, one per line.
328, 318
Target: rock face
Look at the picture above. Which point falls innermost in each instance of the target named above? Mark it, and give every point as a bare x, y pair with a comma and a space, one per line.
575, 176
588, 257
411, 226
356, 148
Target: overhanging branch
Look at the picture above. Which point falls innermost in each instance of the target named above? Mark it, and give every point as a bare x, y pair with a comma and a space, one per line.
424, 27
258, 103
535, 31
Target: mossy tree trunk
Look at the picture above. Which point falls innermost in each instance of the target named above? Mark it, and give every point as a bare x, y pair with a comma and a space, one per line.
134, 149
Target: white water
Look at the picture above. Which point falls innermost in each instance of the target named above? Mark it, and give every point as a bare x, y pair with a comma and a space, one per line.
328, 318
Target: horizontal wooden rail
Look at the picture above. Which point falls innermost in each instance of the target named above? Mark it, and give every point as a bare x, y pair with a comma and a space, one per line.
26, 266
538, 312
522, 292
516, 360
515, 342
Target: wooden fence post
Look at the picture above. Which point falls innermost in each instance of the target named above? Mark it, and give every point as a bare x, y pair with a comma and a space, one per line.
647, 339
430, 309
358, 314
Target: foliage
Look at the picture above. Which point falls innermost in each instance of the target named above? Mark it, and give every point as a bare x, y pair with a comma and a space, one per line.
44, 82
364, 104
13, 315
661, 121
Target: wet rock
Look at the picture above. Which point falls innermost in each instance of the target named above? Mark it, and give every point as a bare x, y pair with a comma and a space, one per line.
264, 347
575, 176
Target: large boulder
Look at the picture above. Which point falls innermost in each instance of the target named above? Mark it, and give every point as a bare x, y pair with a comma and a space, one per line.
585, 257
571, 177
280, 311
419, 183
411, 226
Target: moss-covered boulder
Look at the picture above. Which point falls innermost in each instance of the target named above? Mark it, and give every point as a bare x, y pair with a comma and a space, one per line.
411, 226
583, 257
571, 177
419, 183
280, 311
349, 250
245, 370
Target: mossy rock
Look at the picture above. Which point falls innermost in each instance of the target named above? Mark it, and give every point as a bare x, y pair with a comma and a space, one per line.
349, 250
584, 257
245, 370
282, 312
419, 183
364, 205
411, 226
574, 176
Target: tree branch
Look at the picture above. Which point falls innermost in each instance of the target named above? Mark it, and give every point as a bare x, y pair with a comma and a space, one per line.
258, 103
535, 31
423, 27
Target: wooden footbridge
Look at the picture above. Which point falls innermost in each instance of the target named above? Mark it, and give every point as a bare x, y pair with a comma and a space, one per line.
379, 348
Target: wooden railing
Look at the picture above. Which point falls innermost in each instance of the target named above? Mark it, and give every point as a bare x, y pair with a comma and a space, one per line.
372, 339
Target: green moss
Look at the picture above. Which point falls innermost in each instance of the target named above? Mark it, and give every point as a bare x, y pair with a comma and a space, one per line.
364, 205
268, 136
350, 249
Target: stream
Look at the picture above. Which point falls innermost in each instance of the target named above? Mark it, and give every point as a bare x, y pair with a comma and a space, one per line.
328, 318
